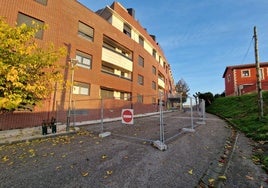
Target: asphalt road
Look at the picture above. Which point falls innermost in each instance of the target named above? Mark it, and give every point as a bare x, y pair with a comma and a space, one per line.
127, 158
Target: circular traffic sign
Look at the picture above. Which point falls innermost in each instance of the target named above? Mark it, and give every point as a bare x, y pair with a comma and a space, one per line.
127, 116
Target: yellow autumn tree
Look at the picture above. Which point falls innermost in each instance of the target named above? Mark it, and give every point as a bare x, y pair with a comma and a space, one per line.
27, 71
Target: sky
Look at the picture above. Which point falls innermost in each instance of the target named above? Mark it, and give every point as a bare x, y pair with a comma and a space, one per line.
201, 37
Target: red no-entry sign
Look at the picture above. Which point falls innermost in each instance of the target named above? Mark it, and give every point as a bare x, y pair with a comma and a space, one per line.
127, 116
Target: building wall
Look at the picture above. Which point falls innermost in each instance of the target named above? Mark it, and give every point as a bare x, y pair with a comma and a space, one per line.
62, 17
243, 79
229, 82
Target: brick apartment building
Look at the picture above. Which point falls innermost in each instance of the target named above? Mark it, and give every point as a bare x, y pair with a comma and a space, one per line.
117, 59
241, 79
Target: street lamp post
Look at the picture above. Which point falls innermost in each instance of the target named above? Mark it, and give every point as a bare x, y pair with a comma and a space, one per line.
73, 62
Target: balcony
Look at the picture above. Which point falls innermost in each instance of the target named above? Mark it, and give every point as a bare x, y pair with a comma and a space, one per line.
117, 59
161, 83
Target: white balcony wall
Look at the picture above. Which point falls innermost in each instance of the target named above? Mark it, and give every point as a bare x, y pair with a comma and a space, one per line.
147, 47
161, 83
117, 59
117, 23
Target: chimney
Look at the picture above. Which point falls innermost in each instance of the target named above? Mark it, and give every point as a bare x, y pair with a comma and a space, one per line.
153, 37
131, 12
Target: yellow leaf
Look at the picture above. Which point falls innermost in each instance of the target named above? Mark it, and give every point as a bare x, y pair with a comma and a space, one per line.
190, 171
250, 177
84, 174
5, 158
211, 181
222, 177
109, 172
104, 156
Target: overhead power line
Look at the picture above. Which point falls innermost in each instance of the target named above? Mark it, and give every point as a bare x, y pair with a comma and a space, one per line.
250, 44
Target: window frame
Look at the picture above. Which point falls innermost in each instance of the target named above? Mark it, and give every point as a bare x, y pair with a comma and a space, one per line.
154, 70
127, 30
140, 79
261, 74
154, 53
43, 2
83, 33
140, 98
243, 75
153, 85
28, 20
81, 86
141, 61
141, 41
83, 57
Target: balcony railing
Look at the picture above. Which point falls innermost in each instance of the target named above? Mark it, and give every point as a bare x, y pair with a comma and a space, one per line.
117, 59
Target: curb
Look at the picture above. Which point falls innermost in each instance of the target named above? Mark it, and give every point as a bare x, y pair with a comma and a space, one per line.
215, 175
36, 137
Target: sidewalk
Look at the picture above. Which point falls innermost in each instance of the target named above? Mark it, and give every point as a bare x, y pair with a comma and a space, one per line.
27, 134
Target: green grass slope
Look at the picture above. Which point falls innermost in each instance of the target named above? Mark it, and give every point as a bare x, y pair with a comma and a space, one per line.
242, 112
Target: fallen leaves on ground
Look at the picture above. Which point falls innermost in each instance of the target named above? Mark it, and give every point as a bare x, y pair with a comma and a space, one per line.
84, 174
109, 172
5, 158
211, 181
222, 177
103, 156
249, 177
190, 171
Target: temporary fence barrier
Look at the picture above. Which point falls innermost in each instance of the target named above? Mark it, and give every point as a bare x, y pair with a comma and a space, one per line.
202, 113
161, 127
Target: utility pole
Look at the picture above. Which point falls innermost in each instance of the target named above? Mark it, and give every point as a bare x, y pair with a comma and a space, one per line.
259, 89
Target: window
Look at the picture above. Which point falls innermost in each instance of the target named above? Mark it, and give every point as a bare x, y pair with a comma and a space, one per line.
154, 70
106, 93
141, 61
84, 60
43, 2
140, 98
245, 73
153, 85
85, 31
261, 74
161, 77
81, 88
141, 41
30, 21
110, 93
125, 96
228, 77
127, 30
140, 80
154, 53
153, 100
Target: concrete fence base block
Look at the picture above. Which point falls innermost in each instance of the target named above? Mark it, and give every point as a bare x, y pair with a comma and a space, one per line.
160, 145
201, 122
105, 134
188, 130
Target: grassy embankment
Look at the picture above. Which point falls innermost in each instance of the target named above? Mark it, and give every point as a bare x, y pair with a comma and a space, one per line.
242, 111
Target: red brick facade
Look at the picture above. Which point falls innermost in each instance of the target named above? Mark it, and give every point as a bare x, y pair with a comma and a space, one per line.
241, 79
63, 18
